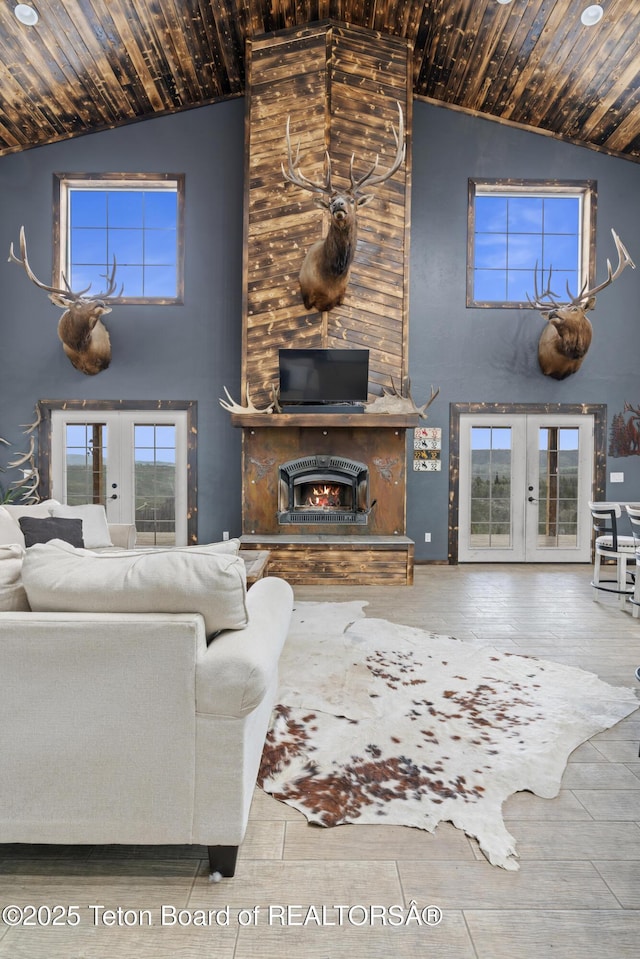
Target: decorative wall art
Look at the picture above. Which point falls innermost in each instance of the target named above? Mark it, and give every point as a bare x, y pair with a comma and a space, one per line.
624, 434
427, 444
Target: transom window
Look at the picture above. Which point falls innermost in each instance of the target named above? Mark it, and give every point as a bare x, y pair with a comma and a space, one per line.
134, 218
520, 230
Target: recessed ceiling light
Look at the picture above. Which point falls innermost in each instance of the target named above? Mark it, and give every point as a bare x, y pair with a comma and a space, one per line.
26, 14
504, 1
592, 15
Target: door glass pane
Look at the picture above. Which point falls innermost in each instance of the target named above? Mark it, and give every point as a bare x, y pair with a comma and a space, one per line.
558, 487
490, 487
155, 484
86, 463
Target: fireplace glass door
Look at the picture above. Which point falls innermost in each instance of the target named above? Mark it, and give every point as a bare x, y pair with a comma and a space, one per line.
323, 489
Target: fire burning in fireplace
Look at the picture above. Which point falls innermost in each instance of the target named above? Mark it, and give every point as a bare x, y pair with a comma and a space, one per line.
322, 488
324, 496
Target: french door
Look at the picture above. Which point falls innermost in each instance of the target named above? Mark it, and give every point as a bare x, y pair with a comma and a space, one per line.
525, 482
134, 462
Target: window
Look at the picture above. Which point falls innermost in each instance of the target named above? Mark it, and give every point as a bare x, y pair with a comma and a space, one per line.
134, 218
518, 227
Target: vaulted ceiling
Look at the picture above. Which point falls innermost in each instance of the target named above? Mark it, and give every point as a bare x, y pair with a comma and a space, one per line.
96, 64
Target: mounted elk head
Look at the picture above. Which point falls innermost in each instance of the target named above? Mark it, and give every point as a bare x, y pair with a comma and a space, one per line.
84, 337
325, 271
567, 336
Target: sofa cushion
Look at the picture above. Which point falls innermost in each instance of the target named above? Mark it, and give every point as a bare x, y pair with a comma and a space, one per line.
11, 512
31, 509
10, 532
230, 546
95, 530
41, 530
12, 595
198, 579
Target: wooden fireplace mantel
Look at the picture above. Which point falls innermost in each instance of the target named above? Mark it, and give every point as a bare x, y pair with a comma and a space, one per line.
331, 420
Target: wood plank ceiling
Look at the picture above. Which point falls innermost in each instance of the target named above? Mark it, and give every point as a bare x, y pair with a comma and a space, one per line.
96, 64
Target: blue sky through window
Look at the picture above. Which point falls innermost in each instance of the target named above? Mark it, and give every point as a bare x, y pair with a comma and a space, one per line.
516, 234
138, 227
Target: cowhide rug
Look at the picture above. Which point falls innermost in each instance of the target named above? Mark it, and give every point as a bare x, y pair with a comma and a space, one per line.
386, 724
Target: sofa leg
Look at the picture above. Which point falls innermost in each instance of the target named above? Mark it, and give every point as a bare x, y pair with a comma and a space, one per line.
222, 862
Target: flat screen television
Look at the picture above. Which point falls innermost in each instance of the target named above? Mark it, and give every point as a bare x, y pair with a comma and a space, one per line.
322, 377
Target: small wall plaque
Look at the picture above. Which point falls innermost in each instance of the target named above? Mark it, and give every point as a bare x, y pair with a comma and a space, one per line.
427, 443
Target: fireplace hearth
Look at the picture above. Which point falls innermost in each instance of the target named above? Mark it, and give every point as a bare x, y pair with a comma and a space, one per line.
323, 488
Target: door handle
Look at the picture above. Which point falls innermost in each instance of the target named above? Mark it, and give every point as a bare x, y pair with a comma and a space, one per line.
113, 496
532, 499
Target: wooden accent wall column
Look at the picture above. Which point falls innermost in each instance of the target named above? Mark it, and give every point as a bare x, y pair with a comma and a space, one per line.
340, 85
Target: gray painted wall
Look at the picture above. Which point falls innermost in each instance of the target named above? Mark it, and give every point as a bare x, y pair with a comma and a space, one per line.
172, 352
491, 355
189, 352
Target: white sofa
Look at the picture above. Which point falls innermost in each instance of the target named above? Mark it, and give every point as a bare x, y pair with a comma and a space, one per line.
135, 727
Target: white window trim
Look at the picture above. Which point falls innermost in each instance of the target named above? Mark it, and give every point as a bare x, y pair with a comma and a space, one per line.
64, 183
585, 189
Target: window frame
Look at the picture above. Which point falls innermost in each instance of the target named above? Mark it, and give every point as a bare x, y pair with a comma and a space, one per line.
586, 190
63, 183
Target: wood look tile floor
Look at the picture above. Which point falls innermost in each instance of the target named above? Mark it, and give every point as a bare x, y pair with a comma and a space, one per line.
576, 895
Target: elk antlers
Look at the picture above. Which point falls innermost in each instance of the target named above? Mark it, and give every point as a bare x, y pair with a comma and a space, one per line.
67, 292
84, 337
370, 178
548, 297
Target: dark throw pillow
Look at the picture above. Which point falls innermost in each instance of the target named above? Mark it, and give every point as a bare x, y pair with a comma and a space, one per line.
52, 527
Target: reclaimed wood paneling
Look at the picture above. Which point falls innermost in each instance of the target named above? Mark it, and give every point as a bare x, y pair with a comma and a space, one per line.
287, 76
369, 75
340, 87
95, 64
335, 561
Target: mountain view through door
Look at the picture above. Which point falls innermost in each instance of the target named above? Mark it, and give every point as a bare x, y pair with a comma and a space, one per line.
525, 481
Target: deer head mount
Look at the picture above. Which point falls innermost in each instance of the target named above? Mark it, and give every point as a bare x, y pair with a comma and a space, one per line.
324, 274
84, 337
567, 336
